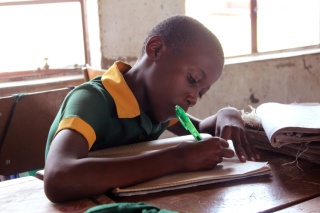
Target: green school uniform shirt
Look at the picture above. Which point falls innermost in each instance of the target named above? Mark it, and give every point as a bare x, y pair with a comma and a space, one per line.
127, 208
105, 111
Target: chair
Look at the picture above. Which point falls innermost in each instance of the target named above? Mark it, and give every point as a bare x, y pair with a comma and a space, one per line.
25, 120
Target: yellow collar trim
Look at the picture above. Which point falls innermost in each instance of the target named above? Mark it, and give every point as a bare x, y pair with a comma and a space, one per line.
113, 81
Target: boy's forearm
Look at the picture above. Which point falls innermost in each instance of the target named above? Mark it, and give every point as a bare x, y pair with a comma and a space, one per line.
224, 116
132, 170
90, 176
208, 125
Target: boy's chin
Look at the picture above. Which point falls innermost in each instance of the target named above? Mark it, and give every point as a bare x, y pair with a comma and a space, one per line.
163, 119
162, 116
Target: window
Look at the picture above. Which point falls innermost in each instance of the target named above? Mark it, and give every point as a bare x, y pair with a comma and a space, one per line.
258, 26
287, 24
37, 35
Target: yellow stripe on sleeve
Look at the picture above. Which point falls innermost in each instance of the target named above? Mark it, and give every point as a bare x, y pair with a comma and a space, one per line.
80, 126
173, 121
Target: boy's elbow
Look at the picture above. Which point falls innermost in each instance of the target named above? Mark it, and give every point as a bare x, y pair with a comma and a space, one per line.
54, 188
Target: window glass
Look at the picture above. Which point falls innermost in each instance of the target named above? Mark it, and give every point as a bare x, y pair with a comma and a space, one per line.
284, 24
281, 24
228, 20
34, 32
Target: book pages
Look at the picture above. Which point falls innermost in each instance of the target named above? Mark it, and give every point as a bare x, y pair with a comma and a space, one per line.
290, 123
229, 169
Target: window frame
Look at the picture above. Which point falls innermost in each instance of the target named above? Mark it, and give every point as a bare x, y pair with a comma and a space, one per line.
27, 74
254, 35
254, 28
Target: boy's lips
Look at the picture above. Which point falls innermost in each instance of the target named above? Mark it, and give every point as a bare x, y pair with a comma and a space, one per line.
185, 107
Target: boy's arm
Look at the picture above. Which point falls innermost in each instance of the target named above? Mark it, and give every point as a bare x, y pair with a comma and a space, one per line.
70, 174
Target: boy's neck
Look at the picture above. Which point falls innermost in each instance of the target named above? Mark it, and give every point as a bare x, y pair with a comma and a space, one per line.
134, 79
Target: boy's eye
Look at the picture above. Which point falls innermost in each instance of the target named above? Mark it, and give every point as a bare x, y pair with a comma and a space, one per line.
191, 79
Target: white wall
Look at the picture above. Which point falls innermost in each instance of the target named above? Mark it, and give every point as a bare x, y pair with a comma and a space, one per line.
125, 23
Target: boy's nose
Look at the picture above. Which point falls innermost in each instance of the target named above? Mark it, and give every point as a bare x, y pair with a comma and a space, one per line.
192, 100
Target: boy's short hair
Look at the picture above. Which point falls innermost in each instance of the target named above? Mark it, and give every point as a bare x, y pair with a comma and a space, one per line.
181, 31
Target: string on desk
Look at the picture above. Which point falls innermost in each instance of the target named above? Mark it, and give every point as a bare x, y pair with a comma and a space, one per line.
298, 155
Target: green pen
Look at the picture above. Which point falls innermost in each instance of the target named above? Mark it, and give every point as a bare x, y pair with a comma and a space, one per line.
186, 123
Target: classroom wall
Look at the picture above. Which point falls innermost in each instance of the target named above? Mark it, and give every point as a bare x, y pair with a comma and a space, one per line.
124, 24
286, 80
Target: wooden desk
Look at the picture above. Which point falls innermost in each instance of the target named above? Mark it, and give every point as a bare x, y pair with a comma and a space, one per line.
27, 195
289, 189
287, 186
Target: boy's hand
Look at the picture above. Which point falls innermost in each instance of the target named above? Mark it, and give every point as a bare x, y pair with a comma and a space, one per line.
203, 155
228, 124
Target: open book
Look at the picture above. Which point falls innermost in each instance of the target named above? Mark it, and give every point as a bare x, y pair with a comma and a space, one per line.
290, 123
229, 169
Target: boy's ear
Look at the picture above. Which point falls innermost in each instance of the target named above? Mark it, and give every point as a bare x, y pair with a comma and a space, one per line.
155, 47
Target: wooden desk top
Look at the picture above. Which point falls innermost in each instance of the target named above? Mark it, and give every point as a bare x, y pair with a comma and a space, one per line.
287, 186
27, 195
307, 206
289, 189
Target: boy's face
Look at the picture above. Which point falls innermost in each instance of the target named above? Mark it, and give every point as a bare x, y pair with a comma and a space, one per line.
181, 79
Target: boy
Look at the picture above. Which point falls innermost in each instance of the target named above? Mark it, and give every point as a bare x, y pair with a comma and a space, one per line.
180, 60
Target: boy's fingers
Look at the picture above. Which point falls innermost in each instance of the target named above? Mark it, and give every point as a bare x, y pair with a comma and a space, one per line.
237, 143
227, 153
224, 143
250, 148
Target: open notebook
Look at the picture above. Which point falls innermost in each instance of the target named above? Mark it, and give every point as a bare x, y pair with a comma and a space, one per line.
229, 169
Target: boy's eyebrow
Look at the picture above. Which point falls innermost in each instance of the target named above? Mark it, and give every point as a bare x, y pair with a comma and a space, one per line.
204, 74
